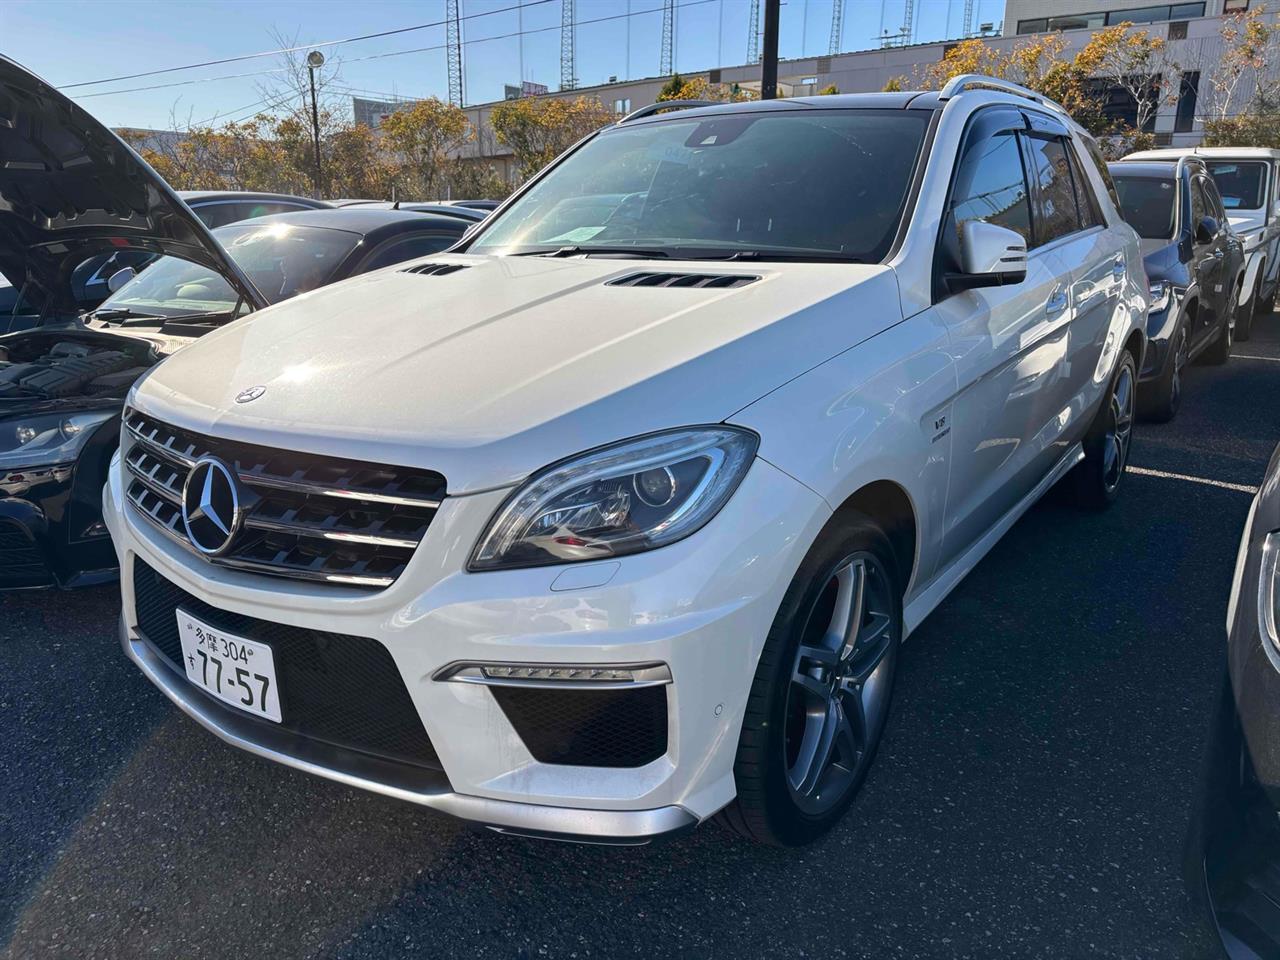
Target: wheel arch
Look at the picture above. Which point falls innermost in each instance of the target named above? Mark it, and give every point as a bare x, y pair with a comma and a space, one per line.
890, 505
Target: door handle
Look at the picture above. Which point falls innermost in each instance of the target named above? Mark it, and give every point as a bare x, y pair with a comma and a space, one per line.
1057, 302
1218, 254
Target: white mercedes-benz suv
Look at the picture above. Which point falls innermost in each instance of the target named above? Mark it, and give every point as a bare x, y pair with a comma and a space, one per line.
614, 516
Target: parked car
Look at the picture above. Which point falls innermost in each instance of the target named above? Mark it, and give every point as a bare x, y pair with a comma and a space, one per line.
90, 280
62, 383
614, 516
1248, 178
1233, 847
1195, 267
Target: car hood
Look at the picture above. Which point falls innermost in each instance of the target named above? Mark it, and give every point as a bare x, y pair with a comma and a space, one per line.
488, 372
70, 189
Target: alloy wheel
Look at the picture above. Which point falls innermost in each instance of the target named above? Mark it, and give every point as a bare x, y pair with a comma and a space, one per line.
1115, 451
841, 680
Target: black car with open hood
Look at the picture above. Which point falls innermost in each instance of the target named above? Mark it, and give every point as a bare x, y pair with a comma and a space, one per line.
70, 191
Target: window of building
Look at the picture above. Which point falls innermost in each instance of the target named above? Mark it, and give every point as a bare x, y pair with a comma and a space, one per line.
1178, 30
1119, 105
1235, 6
1188, 92
1153, 13
622, 105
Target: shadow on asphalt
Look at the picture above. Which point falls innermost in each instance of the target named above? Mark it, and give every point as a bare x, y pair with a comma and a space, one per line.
1029, 800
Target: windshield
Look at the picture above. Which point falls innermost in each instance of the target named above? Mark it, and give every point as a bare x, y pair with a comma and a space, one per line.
1240, 184
282, 260
1146, 203
802, 182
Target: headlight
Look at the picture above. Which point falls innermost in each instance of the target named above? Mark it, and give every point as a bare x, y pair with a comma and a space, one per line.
1161, 294
1268, 594
48, 439
620, 499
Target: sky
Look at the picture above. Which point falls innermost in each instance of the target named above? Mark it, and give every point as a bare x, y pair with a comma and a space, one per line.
76, 41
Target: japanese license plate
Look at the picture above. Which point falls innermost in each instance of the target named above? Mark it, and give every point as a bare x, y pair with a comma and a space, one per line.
235, 670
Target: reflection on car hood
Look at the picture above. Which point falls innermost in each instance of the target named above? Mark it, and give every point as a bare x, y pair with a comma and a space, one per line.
70, 189
489, 372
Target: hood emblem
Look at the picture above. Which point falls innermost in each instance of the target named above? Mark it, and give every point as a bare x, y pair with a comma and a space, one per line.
211, 508
252, 393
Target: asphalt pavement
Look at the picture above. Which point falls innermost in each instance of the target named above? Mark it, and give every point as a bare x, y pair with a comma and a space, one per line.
1030, 798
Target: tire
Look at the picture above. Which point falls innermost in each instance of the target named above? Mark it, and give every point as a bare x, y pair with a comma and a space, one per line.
1219, 352
1097, 479
825, 676
1160, 399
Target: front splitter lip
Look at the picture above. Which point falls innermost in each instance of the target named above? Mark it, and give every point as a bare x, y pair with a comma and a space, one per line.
415, 785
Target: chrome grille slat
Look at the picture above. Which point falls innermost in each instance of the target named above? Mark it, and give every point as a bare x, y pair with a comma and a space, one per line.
307, 517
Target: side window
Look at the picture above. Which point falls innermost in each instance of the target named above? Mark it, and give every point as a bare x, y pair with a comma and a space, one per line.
408, 248
1056, 214
1100, 164
1086, 200
1213, 200
991, 186
1199, 209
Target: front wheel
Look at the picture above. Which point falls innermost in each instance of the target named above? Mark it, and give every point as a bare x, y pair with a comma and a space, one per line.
1245, 315
1219, 352
1160, 399
1097, 478
822, 688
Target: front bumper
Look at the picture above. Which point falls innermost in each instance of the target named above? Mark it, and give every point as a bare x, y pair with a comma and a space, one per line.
701, 607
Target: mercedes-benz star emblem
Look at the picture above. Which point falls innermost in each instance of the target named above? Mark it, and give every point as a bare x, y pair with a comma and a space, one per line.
252, 393
211, 510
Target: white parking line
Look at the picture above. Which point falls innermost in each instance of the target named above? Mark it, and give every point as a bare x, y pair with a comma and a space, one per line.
1241, 487
1250, 356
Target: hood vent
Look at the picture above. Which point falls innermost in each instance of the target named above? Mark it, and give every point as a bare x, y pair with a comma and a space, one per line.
653, 279
435, 269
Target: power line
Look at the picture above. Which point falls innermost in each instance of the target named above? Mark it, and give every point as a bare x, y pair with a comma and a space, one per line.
178, 83
307, 46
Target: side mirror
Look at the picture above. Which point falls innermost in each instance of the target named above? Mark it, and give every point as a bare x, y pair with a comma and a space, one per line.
990, 256
120, 278
1206, 230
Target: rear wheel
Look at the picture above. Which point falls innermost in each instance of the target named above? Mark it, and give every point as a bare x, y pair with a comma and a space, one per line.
1160, 399
1219, 352
1098, 477
822, 689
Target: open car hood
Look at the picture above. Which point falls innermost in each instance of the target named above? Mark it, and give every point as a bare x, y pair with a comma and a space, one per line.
70, 189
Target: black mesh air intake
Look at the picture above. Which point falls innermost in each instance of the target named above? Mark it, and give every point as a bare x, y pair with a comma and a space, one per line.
340, 689
589, 728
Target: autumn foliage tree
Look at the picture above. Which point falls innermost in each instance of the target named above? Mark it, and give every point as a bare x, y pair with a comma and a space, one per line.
538, 129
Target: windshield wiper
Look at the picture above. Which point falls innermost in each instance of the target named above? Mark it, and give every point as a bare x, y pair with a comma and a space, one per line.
122, 313
576, 250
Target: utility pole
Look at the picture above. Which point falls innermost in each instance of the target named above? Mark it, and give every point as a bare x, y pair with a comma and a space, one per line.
315, 60
769, 58
453, 50
753, 33
837, 27
968, 19
666, 62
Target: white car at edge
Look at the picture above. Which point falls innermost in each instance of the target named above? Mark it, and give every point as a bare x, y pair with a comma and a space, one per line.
614, 517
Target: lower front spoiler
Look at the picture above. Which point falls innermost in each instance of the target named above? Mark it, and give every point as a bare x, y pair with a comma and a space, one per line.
427, 788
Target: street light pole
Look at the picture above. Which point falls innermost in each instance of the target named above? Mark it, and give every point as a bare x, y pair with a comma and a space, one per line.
769, 56
315, 59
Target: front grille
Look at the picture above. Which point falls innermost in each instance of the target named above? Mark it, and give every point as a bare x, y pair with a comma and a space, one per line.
339, 689
588, 728
21, 563
306, 516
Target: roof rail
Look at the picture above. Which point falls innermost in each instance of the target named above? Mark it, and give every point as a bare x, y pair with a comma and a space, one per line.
667, 105
970, 81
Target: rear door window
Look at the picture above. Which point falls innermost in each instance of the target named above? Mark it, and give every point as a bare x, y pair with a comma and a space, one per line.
407, 248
